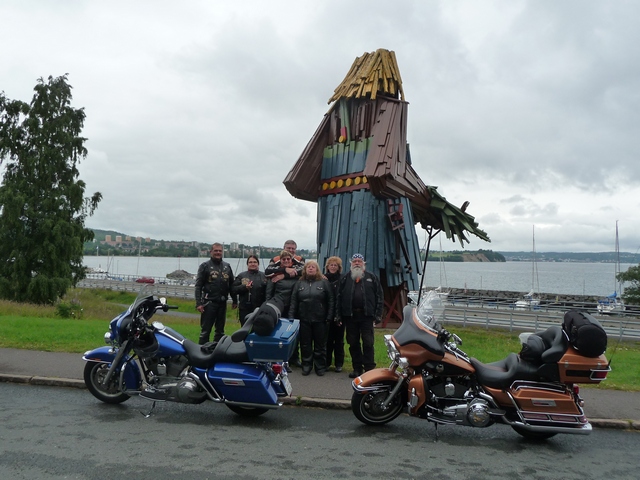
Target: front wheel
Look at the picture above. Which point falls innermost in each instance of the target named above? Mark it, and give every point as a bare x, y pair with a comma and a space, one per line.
94, 373
247, 411
369, 408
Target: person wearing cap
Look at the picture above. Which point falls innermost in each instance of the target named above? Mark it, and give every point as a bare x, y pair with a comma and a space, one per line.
359, 307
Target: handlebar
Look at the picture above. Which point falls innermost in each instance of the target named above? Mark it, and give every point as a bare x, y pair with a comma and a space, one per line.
447, 336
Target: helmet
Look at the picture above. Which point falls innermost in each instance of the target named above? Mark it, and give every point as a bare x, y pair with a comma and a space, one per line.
146, 344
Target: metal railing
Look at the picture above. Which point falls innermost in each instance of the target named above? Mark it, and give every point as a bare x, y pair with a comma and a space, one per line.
480, 313
160, 289
616, 327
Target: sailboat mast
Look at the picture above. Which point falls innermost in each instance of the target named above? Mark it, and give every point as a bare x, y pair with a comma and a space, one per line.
535, 283
617, 285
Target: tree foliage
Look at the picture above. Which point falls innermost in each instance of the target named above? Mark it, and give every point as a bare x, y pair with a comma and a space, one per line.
42, 203
631, 294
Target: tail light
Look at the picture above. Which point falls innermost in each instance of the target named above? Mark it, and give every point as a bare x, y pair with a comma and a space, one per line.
576, 390
599, 374
277, 368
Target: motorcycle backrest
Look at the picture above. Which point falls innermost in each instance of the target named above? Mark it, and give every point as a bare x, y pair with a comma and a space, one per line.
547, 346
241, 335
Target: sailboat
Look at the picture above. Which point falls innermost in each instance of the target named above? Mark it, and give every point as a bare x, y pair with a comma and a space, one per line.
613, 304
531, 300
443, 293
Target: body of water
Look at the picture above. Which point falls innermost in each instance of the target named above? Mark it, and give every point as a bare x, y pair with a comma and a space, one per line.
553, 277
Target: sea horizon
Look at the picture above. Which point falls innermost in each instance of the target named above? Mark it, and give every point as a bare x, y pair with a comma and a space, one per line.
564, 278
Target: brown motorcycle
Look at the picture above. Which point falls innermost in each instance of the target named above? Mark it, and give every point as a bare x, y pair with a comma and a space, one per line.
535, 391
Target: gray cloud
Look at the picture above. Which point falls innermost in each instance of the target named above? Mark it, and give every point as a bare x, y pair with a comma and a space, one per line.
195, 113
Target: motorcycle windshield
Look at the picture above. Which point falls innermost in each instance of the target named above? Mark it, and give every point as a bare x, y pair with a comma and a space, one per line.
430, 311
146, 290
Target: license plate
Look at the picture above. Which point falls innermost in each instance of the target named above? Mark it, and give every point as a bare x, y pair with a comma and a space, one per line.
286, 384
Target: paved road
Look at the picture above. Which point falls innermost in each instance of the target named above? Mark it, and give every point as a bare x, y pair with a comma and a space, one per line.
604, 408
56, 433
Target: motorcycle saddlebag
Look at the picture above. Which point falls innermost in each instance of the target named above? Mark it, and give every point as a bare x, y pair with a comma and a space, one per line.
585, 333
276, 347
242, 383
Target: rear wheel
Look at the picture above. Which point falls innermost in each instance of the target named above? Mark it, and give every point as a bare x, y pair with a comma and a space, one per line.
369, 408
533, 435
247, 411
94, 374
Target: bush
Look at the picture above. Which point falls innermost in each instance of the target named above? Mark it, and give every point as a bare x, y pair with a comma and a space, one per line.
69, 309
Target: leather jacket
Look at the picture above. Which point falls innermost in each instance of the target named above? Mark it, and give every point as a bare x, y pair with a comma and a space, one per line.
275, 267
281, 289
256, 295
213, 283
372, 294
312, 301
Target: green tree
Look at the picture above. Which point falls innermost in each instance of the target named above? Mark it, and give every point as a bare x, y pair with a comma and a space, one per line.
631, 294
42, 203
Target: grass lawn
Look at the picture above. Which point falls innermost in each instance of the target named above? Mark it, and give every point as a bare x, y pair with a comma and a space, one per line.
33, 327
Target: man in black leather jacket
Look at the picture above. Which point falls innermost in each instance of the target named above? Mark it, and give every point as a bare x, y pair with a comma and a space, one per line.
359, 305
213, 285
280, 284
294, 270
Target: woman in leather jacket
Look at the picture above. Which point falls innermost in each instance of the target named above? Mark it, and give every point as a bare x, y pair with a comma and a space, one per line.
335, 338
250, 286
313, 302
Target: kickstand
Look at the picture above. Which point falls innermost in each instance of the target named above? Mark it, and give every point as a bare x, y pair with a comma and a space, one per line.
437, 436
147, 415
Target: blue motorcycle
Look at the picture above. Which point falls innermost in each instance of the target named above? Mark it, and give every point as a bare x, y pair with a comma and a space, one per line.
245, 371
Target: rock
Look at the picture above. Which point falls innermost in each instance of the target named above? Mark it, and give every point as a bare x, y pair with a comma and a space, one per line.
180, 275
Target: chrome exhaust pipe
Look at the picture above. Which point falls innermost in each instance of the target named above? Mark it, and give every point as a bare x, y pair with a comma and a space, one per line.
583, 429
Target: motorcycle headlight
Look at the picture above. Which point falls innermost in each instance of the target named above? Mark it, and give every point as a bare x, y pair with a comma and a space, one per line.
403, 363
392, 351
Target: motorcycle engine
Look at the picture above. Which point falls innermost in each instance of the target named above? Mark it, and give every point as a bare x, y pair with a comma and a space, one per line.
478, 413
168, 389
447, 387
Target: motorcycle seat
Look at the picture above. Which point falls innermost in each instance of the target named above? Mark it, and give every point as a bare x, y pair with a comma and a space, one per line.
230, 352
196, 356
503, 373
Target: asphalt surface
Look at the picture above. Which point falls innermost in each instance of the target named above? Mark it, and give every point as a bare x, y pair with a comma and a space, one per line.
604, 408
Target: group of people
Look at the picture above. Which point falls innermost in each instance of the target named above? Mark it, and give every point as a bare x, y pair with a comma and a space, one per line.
326, 303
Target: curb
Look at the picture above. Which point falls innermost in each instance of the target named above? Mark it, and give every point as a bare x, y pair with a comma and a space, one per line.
46, 381
300, 401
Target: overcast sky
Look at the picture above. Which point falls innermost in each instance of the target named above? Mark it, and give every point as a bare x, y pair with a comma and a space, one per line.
196, 111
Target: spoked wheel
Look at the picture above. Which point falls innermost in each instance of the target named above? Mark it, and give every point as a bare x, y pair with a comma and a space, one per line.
94, 374
247, 411
369, 408
533, 435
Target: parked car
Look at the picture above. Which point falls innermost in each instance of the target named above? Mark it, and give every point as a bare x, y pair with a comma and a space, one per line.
145, 280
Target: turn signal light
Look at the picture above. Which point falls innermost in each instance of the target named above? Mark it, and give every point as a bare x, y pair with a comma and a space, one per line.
277, 368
